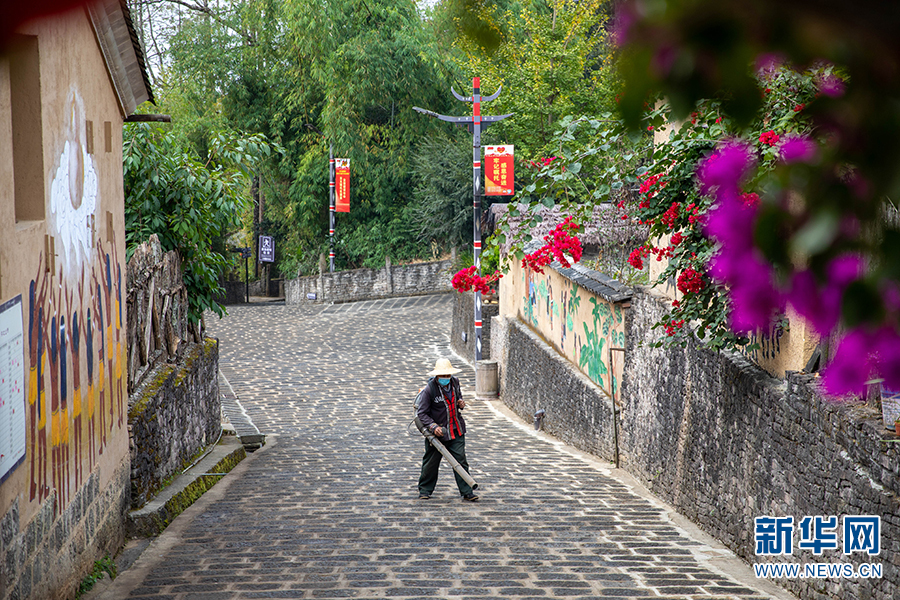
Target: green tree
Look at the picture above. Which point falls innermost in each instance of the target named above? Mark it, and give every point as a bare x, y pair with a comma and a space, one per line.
360, 67
552, 58
442, 210
190, 202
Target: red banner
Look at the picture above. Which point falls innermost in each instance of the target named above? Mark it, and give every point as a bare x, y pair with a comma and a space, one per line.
498, 170
342, 184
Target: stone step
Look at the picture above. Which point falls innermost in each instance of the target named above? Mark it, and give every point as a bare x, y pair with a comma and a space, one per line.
152, 518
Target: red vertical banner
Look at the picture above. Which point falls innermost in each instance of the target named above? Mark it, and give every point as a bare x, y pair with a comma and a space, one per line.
498, 170
342, 184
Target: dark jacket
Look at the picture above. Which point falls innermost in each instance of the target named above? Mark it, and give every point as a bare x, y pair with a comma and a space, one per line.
433, 409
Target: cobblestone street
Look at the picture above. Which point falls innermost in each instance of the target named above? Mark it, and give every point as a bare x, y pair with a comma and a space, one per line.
329, 507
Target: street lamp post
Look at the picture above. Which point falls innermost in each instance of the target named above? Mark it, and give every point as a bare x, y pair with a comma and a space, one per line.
475, 124
331, 206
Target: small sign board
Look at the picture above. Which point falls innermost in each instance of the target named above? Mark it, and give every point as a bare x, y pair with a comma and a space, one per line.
12, 387
342, 184
311, 296
246, 252
498, 170
266, 249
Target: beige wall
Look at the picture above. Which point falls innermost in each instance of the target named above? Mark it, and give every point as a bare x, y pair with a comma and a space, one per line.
578, 323
780, 349
81, 425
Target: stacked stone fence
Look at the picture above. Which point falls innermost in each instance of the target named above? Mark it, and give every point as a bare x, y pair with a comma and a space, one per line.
172, 417
235, 292
174, 407
722, 441
158, 327
535, 377
369, 284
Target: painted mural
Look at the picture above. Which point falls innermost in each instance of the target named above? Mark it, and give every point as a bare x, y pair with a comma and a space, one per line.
582, 326
76, 400
75, 385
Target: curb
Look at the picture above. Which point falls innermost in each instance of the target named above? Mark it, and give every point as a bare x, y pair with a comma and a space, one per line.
243, 426
151, 519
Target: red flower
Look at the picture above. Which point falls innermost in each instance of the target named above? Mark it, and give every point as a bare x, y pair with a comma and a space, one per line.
769, 138
799, 107
648, 183
751, 199
677, 238
467, 279
672, 325
559, 243
690, 281
635, 259
669, 217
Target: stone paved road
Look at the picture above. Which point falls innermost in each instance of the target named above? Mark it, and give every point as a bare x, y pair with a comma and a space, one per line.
328, 509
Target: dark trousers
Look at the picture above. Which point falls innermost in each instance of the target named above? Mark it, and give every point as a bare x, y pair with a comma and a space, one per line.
432, 460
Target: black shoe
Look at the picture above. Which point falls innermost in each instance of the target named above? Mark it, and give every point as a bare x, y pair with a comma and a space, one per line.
471, 497
424, 496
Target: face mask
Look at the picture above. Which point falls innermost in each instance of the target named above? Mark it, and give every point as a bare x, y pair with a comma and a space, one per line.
444, 380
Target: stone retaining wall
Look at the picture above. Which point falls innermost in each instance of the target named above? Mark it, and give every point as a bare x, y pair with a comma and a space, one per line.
174, 415
722, 441
369, 284
43, 560
534, 376
464, 324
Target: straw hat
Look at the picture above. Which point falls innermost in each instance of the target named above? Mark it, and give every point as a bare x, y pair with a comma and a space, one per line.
443, 367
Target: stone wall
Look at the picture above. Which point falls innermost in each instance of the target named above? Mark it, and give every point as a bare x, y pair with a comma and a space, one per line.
173, 416
534, 376
463, 326
157, 310
369, 284
722, 441
44, 557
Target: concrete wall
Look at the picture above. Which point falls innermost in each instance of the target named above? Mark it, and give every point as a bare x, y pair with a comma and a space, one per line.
62, 258
369, 284
174, 415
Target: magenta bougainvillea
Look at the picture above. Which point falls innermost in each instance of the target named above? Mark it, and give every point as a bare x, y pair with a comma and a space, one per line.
823, 237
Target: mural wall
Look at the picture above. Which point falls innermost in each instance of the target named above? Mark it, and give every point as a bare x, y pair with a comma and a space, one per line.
76, 391
72, 349
64, 447
578, 323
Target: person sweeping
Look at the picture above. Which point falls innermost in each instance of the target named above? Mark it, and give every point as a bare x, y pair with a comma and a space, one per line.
438, 408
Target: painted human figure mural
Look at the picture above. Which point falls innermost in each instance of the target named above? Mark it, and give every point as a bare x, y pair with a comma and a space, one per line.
91, 394
74, 310
101, 380
63, 335
36, 407
74, 336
